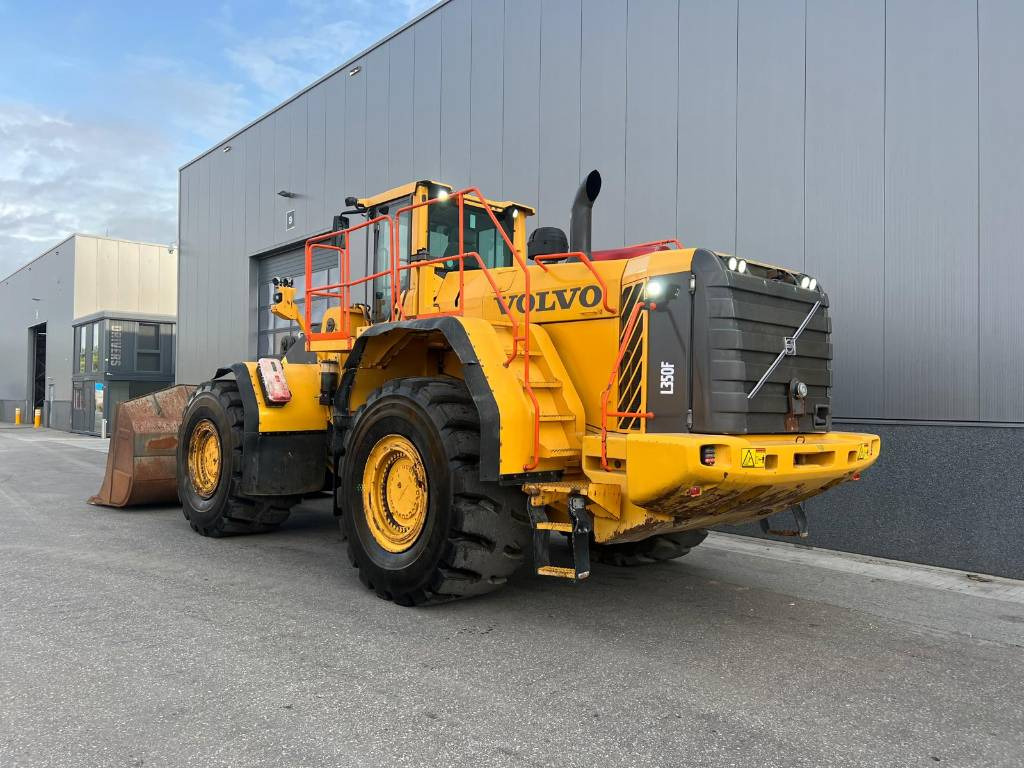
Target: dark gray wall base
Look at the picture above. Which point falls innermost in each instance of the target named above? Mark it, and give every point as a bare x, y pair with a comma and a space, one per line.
60, 417
946, 496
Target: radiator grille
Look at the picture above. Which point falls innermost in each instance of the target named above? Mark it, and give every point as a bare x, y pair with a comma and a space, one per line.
631, 372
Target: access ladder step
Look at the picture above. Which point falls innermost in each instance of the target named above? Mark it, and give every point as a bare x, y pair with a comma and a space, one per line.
557, 417
558, 453
579, 530
543, 384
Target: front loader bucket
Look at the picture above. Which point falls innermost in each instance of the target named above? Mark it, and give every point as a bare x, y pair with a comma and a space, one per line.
141, 461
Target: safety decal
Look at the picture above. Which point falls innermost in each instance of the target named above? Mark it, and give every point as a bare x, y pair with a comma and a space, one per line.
752, 458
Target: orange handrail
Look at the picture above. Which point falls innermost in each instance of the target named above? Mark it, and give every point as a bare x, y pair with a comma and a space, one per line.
345, 284
539, 261
634, 317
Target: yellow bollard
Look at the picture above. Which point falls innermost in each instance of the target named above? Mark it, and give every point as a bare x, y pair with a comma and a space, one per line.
37, 418
17, 416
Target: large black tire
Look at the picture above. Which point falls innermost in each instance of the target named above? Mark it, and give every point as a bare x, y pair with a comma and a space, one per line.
474, 535
666, 546
227, 510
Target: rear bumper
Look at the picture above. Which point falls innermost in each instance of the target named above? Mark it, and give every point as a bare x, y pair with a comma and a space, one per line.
753, 475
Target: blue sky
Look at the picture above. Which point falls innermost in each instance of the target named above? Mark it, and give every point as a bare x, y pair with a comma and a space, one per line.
101, 102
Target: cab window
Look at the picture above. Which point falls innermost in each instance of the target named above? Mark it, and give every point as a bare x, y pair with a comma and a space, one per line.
479, 234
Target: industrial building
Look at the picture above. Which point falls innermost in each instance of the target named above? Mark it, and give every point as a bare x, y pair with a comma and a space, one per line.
87, 324
873, 144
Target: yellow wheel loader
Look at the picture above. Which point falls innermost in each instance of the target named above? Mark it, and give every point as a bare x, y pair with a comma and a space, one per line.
466, 393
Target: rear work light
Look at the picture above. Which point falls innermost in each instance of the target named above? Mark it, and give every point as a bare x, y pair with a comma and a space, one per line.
707, 455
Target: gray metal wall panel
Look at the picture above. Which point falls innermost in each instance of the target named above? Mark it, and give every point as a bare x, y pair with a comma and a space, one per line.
267, 200
219, 266
236, 278
297, 179
561, 40
377, 76
603, 114
486, 94
520, 142
313, 188
931, 210
770, 132
427, 99
652, 74
845, 241
706, 172
355, 133
185, 250
251, 152
1002, 209
283, 171
400, 102
455, 92
336, 178
204, 253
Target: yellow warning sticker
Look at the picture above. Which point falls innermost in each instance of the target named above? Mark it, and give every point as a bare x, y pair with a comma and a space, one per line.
863, 451
752, 458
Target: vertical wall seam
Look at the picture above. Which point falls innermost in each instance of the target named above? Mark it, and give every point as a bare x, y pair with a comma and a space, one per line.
736, 146
978, 273
579, 104
626, 123
885, 184
803, 217
679, 80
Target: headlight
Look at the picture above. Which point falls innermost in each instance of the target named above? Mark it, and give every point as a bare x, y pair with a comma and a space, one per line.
654, 289
733, 263
814, 284
742, 266
805, 282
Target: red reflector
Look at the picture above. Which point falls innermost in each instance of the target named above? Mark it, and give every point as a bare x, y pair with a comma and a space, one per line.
695, 490
856, 476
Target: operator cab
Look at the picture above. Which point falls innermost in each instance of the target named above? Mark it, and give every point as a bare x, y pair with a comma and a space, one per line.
428, 216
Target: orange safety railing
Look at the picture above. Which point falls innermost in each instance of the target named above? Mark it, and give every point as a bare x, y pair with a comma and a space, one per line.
342, 290
634, 318
540, 259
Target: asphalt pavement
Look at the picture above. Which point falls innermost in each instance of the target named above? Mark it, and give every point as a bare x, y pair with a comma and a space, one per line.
128, 640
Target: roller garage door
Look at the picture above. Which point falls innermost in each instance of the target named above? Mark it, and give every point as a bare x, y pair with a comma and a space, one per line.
272, 330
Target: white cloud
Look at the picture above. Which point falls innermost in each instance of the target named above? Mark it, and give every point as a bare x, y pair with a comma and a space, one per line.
58, 176
116, 171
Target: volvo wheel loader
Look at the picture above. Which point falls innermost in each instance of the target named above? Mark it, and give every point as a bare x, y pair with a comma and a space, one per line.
468, 392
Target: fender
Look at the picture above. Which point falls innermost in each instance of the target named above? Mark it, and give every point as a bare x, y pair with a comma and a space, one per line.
458, 339
276, 463
504, 410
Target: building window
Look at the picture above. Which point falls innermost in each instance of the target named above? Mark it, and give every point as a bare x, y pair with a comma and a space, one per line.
147, 348
95, 347
80, 342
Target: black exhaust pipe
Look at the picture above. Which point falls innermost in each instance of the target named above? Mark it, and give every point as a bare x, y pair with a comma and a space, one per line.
579, 219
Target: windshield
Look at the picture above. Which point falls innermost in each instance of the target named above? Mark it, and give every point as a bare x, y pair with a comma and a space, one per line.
479, 234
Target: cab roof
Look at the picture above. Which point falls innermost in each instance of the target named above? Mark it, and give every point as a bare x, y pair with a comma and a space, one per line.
407, 189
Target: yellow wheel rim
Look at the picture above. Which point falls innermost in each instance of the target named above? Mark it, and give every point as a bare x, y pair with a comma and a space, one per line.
204, 458
395, 493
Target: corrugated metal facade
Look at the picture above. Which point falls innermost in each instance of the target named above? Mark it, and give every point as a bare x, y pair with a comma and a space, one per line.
874, 143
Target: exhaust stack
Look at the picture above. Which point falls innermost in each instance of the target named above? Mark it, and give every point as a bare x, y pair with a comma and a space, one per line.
582, 206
